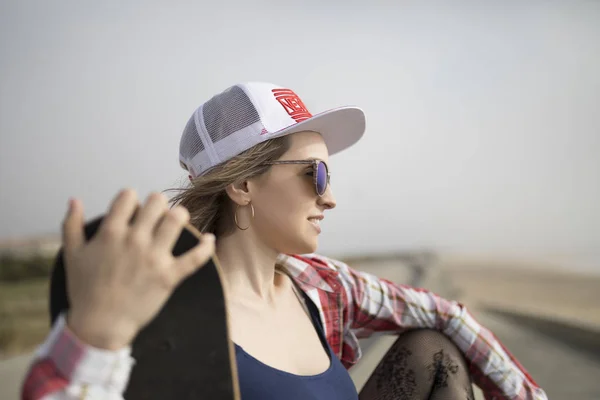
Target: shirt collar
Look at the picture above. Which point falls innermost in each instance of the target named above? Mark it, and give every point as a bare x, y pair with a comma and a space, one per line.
308, 271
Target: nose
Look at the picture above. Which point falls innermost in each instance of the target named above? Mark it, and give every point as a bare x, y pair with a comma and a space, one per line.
327, 201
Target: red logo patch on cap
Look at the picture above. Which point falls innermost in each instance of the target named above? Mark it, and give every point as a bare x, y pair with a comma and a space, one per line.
292, 104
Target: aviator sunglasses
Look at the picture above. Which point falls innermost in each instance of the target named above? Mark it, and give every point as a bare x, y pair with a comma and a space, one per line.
320, 172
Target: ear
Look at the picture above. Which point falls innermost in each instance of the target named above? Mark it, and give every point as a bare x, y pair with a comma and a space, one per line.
238, 192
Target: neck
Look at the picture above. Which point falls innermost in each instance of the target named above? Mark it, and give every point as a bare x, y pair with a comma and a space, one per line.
248, 267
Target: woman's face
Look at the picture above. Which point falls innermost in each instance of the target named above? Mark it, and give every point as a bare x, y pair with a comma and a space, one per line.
288, 210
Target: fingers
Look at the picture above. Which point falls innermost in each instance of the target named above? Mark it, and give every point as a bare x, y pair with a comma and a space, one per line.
195, 258
170, 227
120, 212
148, 216
73, 236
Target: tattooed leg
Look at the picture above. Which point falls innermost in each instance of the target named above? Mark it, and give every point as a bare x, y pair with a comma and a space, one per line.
421, 364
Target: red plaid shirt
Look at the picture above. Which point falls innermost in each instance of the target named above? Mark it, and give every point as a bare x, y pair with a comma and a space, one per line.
351, 304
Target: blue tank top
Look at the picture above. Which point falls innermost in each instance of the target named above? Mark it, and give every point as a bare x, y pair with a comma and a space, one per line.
259, 381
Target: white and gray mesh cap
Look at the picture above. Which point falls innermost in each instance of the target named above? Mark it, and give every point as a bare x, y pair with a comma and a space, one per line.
246, 114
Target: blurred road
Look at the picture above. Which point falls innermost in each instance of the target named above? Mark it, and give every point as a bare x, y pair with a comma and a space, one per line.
12, 372
563, 372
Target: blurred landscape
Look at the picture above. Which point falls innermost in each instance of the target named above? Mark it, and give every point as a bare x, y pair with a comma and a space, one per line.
25, 266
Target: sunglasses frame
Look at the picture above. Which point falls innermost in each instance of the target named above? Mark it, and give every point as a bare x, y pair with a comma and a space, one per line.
315, 164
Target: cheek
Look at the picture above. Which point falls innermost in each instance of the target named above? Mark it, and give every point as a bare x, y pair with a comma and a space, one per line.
281, 220
283, 207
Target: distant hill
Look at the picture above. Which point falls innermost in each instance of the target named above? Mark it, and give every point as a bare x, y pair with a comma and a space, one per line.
24, 246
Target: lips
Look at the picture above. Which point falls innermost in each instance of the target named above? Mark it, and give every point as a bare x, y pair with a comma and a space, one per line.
316, 222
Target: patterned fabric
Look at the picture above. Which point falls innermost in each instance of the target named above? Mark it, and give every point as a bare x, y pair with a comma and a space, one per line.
351, 304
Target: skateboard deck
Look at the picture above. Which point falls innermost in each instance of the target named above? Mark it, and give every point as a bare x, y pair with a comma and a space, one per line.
185, 352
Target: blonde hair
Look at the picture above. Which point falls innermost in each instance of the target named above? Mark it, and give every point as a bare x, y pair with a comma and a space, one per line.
206, 198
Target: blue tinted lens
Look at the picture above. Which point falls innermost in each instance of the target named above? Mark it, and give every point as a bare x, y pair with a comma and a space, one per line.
321, 178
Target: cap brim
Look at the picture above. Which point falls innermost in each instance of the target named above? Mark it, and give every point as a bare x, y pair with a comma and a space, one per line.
340, 127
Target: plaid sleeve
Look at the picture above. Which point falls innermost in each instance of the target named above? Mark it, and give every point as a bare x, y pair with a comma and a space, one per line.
64, 368
378, 305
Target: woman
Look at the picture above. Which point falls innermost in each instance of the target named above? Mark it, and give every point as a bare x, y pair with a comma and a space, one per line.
258, 165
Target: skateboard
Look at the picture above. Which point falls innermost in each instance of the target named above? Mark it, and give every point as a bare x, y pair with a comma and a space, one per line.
185, 352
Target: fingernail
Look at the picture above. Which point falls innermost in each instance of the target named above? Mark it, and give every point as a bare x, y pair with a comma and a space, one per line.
209, 236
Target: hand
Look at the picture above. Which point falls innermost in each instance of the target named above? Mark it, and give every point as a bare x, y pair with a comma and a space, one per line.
120, 279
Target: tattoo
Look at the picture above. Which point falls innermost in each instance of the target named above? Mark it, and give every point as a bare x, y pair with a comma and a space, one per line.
440, 369
393, 376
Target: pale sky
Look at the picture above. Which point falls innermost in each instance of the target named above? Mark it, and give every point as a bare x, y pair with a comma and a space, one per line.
483, 117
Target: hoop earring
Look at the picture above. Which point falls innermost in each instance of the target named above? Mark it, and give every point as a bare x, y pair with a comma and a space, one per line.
235, 218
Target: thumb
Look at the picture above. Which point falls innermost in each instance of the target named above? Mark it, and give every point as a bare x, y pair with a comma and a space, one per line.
72, 231
196, 257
